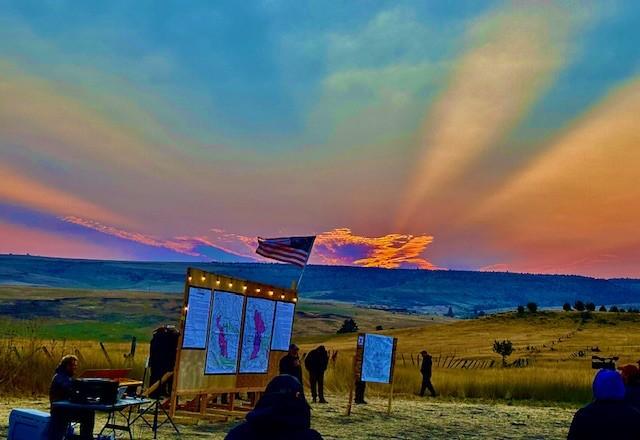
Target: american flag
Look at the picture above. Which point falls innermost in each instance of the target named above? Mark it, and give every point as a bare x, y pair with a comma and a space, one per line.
294, 250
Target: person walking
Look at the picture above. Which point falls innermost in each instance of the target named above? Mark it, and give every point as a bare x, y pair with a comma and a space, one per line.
290, 364
425, 369
316, 364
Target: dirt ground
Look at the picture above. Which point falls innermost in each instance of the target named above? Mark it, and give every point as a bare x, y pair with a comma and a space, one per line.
410, 419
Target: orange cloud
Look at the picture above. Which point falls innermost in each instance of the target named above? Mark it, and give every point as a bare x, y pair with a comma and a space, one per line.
341, 246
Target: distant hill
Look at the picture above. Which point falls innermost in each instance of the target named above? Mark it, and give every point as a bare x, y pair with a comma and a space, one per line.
417, 290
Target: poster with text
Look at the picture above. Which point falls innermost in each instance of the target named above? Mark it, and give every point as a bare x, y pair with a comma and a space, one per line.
197, 319
282, 327
256, 340
224, 333
377, 358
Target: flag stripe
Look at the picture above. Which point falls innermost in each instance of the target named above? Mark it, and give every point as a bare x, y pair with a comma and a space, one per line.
282, 252
285, 248
280, 258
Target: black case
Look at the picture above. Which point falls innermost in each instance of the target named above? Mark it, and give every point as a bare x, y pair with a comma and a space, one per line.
94, 391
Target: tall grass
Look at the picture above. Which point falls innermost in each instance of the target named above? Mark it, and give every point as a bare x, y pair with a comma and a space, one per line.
544, 383
27, 362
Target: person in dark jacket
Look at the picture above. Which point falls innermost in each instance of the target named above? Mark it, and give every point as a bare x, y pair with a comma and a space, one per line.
425, 370
290, 364
316, 364
61, 390
631, 377
360, 389
609, 415
281, 413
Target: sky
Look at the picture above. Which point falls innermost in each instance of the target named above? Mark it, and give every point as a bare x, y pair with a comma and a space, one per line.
474, 135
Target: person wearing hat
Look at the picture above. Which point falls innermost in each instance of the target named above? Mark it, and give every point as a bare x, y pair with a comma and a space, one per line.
609, 415
425, 369
290, 364
631, 377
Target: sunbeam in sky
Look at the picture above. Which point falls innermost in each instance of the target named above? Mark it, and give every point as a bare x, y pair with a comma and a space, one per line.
482, 135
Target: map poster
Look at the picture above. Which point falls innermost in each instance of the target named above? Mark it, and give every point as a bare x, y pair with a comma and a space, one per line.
377, 358
224, 333
197, 319
282, 326
256, 340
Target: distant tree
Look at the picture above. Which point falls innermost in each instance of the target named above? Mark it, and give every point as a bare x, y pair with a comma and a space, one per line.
532, 307
521, 310
450, 312
566, 307
579, 306
614, 309
590, 306
504, 349
602, 308
348, 326
379, 327
622, 310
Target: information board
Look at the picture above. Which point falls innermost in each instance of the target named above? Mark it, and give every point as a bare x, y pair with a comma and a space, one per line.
282, 326
224, 333
197, 318
377, 358
256, 340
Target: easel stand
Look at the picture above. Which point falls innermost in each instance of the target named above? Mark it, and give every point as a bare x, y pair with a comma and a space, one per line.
156, 408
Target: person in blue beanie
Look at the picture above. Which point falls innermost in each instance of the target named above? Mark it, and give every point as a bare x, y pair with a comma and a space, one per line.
281, 413
609, 415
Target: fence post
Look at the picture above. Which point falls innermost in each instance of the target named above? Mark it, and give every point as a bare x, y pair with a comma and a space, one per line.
106, 354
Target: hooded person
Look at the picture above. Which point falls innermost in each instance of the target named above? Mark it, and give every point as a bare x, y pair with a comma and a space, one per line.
631, 377
281, 413
609, 415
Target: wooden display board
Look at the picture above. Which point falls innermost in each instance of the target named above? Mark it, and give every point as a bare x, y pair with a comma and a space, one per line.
190, 380
358, 360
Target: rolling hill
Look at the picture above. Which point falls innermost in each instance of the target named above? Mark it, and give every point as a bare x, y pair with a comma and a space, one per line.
413, 290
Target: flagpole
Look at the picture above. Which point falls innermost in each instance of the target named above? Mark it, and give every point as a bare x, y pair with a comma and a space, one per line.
297, 284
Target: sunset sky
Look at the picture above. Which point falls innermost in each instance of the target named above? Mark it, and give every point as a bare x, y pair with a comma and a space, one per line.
482, 135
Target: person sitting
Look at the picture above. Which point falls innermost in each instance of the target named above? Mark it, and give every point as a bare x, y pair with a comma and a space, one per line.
281, 413
316, 364
631, 377
609, 415
290, 363
61, 390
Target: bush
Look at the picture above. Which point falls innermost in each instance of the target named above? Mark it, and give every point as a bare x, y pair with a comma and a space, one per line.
566, 307
348, 326
520, 310
532, 307
379, 327
590, 307
614, 309
602, 308
504, 349
579, 306
622, 310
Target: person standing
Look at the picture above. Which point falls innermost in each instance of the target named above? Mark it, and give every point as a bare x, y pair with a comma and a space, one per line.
425, 369
316, 364
290, 364
360, 388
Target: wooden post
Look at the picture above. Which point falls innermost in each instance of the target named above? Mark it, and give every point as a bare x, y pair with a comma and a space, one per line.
351, 385
390, 397
106, 354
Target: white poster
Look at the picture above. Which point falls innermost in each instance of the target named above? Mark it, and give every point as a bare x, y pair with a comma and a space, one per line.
282, 326
377, 357
197, 319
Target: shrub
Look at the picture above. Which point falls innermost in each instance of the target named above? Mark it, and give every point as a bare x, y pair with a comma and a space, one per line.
602, 308
379, 327
566, 307
590, 307
579, 306
532, 307
520, 310
348, 326
504, 349
614, 309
